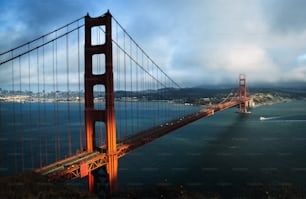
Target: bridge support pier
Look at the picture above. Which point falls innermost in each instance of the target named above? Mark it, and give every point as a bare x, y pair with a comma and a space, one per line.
101, 183
93, 115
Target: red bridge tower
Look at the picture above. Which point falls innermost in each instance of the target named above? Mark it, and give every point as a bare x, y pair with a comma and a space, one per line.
93, 115
242, 94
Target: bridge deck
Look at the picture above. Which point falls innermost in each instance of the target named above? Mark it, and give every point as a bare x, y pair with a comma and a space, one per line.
71, 168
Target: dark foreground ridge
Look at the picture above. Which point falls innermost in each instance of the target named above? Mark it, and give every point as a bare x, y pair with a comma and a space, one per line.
164, 192
32, 185
179, 192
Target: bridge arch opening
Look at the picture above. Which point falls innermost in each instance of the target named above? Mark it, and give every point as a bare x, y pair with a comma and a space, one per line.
98, 64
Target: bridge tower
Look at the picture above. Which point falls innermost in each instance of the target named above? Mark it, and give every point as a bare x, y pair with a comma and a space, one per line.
242, 94
93, 115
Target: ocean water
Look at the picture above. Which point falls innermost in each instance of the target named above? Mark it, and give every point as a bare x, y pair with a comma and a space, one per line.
36, 134
227, 153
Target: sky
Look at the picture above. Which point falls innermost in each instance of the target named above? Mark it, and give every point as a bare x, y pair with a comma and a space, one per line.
196, 42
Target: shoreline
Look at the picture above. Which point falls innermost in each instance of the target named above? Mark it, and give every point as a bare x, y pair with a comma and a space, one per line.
269, 103
267, 99
258, 99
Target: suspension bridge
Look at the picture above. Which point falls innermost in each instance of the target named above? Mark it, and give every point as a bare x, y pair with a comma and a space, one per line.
50, 125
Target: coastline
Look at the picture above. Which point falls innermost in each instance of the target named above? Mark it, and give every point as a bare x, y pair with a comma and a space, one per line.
257, 99
267, 99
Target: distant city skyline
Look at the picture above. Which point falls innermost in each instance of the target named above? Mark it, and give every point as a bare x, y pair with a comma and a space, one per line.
196, 42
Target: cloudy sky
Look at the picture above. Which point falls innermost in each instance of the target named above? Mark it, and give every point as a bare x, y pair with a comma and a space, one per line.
196, 42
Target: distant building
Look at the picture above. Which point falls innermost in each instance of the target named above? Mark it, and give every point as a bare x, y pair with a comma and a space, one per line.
205, 99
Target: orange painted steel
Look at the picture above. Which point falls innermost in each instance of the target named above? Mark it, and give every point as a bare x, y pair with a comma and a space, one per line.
91, 114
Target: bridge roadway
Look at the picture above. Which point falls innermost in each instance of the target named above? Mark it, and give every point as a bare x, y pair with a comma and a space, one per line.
79, 165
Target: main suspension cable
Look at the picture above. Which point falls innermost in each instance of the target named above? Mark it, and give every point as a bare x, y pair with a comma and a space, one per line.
43, 36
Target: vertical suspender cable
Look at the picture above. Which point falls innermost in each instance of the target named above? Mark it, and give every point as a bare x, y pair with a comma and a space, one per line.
14, 117
54, 101
156, 96
20, 116
30, 111
162, 98
118, 83
167, 98
99, 71
151, 92
125, 95
131, 89
44, 100
79, 91
137, 91
68, 95
147, 88
58, 145
143, 83
1, 138
38, 100
96, 68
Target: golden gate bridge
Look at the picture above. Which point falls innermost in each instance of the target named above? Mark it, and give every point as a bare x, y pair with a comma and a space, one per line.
42, 90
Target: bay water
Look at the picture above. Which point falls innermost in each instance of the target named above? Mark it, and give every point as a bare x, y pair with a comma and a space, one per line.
228, 153
225, 153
